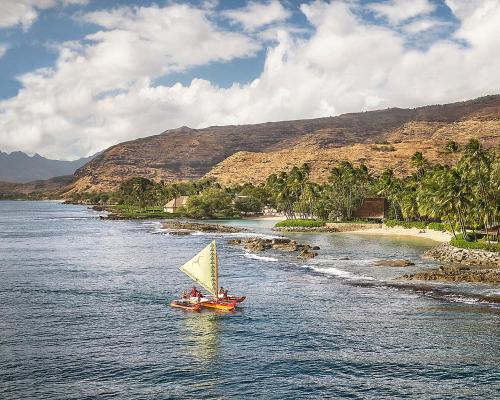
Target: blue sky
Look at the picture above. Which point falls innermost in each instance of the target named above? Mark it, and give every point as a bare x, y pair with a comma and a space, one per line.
77, 76
31, 48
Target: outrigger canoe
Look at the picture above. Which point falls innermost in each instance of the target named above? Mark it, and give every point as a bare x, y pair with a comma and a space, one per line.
186, 305
203, 268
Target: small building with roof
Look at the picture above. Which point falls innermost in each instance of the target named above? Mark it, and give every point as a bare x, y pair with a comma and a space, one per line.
372, 208
175, 204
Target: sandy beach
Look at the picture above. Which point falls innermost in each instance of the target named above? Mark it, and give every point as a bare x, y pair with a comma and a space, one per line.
266, 218
437, 236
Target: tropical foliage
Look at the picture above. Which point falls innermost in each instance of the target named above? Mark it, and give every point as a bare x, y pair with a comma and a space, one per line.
300, 222
460, 198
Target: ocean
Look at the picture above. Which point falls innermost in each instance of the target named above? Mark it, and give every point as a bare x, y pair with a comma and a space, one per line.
84, 313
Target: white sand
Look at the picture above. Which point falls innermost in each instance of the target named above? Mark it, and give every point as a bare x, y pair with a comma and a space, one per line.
413, 232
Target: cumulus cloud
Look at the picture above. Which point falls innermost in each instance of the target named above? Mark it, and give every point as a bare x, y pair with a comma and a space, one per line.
136, 45
102, 89
151, 41
256, 15
25, 12
397, 11
422, 25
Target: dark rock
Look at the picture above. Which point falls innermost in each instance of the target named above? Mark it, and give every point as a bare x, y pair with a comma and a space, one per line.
286, 246
257, 244
180, 233
394, 263
198, 227
306, 253
280, 241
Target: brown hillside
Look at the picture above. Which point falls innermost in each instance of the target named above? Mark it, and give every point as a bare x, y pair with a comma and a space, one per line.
242, 153
48, 188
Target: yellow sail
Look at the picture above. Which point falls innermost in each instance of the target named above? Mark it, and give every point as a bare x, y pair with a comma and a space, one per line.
203, 268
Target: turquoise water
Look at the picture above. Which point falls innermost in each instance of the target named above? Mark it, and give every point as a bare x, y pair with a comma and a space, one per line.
84, 314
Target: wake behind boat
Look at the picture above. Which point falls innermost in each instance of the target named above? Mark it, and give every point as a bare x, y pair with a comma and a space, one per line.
203, 268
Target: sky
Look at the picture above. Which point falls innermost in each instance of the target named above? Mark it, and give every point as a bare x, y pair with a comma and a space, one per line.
77, 76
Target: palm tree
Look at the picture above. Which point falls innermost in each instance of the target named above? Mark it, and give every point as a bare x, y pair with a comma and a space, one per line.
451, 147
477, 163
388, 186
420, 163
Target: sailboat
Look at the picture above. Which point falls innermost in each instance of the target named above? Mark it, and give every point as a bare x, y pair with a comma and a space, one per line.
203, 268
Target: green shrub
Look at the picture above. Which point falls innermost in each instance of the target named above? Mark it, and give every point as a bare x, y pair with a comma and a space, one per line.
391, 223
416, 224
309, 223
479, 245
437, 226
473, 236
134, 212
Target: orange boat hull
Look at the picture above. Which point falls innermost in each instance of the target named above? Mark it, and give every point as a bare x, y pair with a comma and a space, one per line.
219, 305
237, 299
186, 306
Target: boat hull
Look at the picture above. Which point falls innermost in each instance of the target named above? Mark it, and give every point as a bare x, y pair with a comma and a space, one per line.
219, 305
185, 305
237, 299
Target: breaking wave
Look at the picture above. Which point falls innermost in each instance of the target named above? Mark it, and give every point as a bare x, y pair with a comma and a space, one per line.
338, 272
262, 258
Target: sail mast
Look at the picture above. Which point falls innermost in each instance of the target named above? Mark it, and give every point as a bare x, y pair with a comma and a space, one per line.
203, 269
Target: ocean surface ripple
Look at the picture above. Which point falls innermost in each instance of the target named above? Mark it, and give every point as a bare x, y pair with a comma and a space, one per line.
84, 314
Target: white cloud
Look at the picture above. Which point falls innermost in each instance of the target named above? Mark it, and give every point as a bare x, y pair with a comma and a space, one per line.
151, 41
25, 12
3, 50
136, 46
397, 11
102, 90
256, 15
422, 25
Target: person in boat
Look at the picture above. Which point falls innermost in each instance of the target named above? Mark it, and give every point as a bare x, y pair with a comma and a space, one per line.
199, 296
222, 293
194, 292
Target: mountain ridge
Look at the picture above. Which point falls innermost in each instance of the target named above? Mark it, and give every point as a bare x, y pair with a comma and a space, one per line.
186, 153
19, 167
237, 154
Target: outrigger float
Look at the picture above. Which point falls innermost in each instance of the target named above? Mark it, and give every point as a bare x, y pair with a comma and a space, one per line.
203, 268
186, 305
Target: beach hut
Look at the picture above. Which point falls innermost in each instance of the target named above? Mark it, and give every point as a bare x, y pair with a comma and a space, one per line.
174, 205
372, 208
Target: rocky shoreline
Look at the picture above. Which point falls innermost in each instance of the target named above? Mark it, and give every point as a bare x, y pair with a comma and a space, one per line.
328, 228
461, 265
450, 254
458, 273
187, 228
281, 244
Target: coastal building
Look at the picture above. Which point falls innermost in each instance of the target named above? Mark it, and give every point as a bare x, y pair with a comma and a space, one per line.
271, 212
372, 208
174, 205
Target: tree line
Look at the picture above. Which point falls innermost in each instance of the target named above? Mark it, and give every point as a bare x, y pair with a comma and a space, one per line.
464, 196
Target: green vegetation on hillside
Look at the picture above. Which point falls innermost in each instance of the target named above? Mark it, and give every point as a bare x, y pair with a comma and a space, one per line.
479, 244
309, 223
460, 198
134, 212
